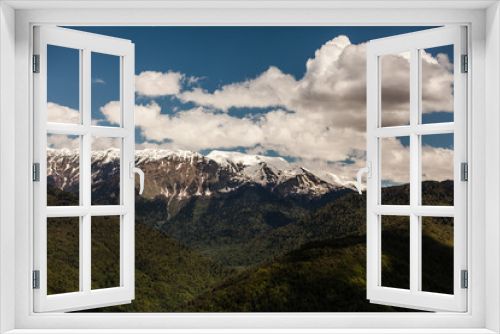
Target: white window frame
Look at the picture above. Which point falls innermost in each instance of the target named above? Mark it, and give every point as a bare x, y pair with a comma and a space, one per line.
484, 101
414, 296
86, 44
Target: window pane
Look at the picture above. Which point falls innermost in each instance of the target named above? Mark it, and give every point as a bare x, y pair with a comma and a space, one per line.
396, 252
105, 157
437, 84
437, 254
395, 170
63, 255
105, 252
437, 169
63, 85
63, 170
105, 90
395, 92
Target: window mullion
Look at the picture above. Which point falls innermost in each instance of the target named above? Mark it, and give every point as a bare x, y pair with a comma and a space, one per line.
85, 171
81, 232
414, 171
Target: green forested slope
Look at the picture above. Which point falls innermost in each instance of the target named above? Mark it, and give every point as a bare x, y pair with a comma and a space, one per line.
327, 272
168, 274
251, 228
314, 263
320, 276
326, 276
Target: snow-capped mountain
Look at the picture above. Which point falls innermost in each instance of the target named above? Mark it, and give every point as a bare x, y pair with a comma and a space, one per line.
180, 175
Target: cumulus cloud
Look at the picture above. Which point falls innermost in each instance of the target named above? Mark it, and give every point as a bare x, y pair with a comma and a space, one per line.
437, 83
104, 143
152, 83
320, 119
62, 142
272, 88
437, 162
290, 134
334, 85
61, 114
194, 129
111, 112
59, 142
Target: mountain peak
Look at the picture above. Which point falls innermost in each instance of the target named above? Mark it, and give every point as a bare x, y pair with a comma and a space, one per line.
182, 174
224, 157
152, 155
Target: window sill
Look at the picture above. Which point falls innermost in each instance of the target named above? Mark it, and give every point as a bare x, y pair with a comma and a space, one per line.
252, 331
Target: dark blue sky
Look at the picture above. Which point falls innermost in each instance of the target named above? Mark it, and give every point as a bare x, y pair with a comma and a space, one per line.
231, 54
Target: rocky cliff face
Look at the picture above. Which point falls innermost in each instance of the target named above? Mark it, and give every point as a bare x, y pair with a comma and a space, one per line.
180, 175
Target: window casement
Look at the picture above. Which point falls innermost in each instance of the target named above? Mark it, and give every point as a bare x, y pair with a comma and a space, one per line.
481, 42
381, 129
84, 213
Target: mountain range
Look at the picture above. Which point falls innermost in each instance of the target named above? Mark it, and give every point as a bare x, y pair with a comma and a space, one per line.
181, 175
230, 232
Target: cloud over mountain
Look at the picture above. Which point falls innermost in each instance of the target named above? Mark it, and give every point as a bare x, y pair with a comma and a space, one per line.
61, 114
319, 119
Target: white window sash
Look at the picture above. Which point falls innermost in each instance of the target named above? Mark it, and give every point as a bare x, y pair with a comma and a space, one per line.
87, 43
407, 13
414, 297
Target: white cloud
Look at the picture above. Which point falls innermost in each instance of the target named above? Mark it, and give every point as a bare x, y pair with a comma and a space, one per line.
60, 142
308, 136
335, 85
194, 129
193, 80
153, 146
111, 112
437, 162
270, 89
61, 114
99, 81
104, 143
152, 83
290, 134
318, 119
437, 83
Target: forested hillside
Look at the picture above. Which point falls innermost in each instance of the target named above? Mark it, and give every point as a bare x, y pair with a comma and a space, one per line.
315, 262
167, 273
320, 276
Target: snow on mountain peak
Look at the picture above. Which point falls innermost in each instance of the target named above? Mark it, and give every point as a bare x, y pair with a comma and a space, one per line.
260, 169
247, 160
253, 166
152, 155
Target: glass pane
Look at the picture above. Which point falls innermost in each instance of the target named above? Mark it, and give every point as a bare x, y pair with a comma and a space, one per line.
63, 255
437, 254
437, 169
63, 85
395, 92
63, 170
105, 252
396, 252
105, 171
395, 170
105, 89
437, 84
